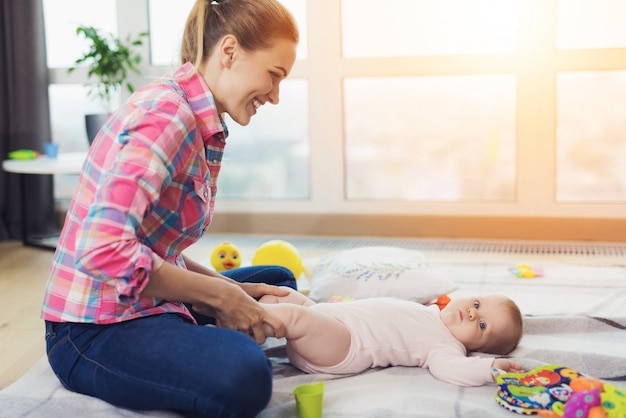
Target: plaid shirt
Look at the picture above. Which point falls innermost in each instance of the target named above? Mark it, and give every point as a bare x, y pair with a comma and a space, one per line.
146, 193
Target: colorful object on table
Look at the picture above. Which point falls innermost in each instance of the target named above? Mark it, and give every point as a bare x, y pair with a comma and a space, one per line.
51, 149
279, 253
553, 391
23, 154
442, 301
524, 271
225, 256
339, 298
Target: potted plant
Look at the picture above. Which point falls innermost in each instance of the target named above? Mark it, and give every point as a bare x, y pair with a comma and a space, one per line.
109, 60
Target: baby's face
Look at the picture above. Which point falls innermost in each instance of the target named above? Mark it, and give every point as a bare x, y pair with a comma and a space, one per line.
475, 320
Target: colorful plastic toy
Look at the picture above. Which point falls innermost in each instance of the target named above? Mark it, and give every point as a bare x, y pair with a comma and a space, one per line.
524, 271
23, 154
279, 253
309, 400
553, 391
442, 301
225, 256
339, 298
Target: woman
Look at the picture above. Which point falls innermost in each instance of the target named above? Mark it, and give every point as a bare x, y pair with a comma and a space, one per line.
118, 325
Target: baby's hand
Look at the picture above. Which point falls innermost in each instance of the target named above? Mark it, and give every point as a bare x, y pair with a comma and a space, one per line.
504, 365
507, 365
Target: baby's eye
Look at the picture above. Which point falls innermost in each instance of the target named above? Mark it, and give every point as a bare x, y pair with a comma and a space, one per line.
482, 325
476, 304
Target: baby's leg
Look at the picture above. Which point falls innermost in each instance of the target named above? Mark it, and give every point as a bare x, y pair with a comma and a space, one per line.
315, 336
293, 297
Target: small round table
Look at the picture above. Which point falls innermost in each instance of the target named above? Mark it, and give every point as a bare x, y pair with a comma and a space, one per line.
64, 163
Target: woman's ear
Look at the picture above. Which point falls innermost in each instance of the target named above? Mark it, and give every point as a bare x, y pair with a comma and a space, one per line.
228, 46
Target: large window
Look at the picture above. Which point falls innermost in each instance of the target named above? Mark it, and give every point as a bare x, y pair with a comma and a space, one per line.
591, 136
427, 27
435, 138
499, 106
447, 107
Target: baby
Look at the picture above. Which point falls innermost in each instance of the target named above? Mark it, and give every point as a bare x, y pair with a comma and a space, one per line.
349, 337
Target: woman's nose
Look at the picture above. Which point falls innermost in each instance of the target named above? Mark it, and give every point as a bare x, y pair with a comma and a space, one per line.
272, 96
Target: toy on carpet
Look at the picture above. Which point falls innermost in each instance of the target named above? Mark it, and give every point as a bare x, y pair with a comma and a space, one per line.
524, 271
553, 391
442, 301
225, 256
280, 253
339, 298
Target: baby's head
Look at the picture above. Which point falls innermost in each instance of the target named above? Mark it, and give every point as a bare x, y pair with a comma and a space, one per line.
489, 324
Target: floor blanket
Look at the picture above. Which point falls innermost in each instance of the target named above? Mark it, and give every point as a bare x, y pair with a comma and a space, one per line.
574, 315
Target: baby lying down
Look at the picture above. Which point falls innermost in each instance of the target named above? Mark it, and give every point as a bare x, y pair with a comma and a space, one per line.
349, 337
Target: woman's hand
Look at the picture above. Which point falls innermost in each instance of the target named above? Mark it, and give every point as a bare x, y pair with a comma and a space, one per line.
242, 313
258, 290
232, 304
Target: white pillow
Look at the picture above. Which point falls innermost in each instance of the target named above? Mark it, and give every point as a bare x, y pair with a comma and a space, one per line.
368, 272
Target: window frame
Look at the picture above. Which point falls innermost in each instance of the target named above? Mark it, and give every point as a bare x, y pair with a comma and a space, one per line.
535, 64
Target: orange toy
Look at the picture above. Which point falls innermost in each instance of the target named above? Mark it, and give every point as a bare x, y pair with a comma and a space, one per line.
442, 301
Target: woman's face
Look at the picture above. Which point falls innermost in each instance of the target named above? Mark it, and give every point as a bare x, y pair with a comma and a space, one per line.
251, 78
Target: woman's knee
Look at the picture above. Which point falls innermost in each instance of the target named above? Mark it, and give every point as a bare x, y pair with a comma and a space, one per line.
274, 275
247, 387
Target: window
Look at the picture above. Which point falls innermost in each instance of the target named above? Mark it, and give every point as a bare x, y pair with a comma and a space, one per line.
166, 30
434, 138
437, 107
427, 27
61, 19
591, 136
584, 24
269, 158
501, 107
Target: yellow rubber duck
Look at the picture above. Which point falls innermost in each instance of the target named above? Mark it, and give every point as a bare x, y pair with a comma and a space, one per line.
225, 256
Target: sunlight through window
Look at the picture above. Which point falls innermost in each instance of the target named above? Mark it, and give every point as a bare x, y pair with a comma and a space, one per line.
591, 24
424, 27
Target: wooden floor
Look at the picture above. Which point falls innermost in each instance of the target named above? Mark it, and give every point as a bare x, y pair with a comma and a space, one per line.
23, 273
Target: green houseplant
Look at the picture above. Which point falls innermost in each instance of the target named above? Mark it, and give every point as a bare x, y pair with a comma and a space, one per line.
109, 60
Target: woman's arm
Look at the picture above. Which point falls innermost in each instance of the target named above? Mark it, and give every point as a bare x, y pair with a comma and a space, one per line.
199, 268
217, 296
256, 290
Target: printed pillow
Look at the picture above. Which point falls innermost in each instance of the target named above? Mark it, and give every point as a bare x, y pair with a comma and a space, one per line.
368, 272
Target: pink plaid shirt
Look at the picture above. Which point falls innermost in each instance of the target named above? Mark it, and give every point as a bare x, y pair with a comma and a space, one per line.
146, 193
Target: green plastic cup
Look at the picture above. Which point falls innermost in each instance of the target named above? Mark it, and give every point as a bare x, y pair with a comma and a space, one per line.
309, 400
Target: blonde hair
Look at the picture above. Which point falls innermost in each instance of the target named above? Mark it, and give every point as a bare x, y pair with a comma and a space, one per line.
504, 344
255, 24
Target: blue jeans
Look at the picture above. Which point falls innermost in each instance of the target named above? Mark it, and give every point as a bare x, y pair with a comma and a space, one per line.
167, 362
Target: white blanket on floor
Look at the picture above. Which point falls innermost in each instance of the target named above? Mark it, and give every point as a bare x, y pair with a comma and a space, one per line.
575, 316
